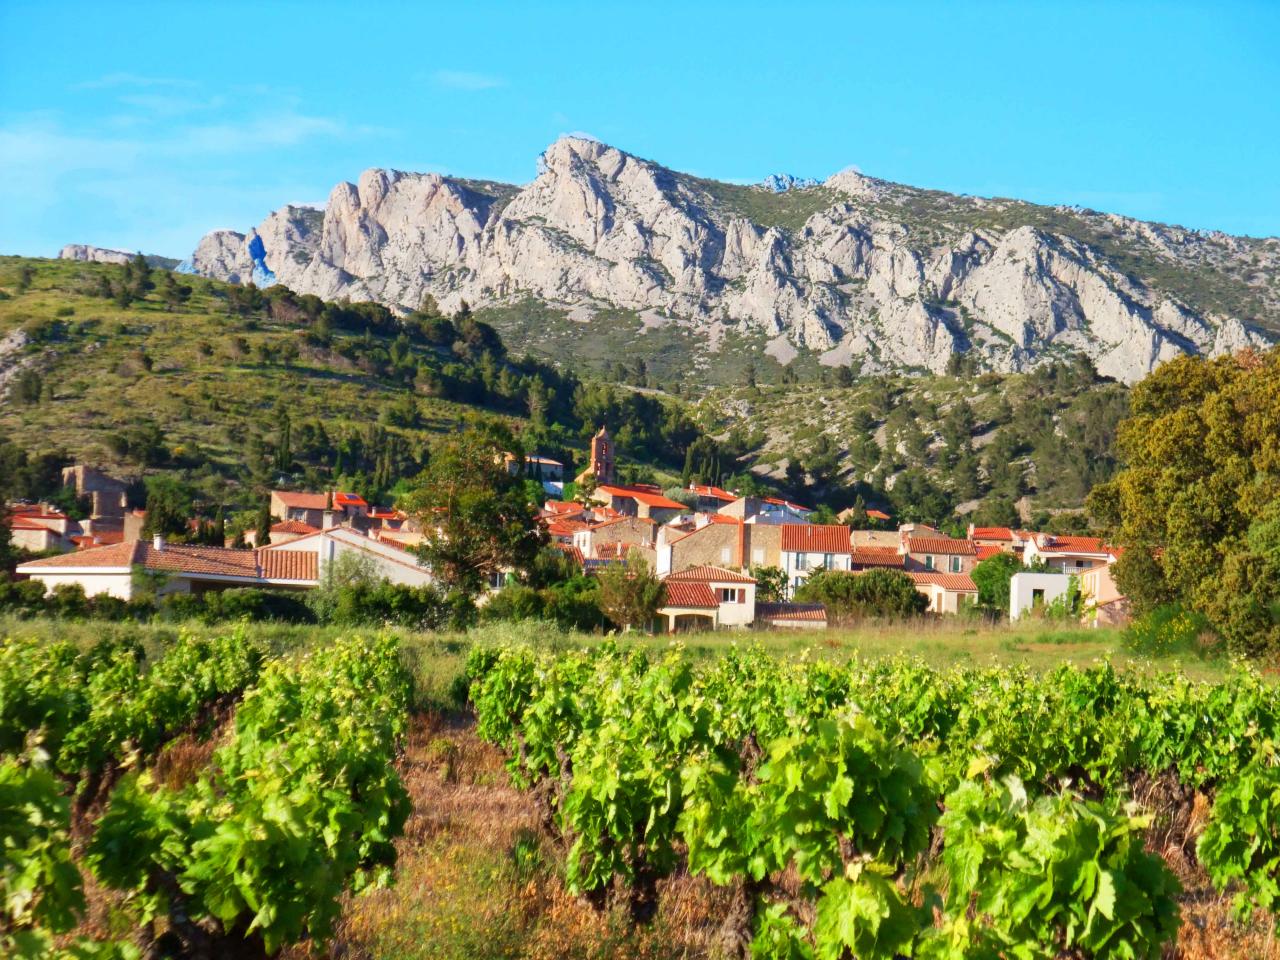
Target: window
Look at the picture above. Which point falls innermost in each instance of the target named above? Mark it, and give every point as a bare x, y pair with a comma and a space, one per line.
828, 561
928, 561
733, 595
1037, 598
954, 564
1079, 564
802, 561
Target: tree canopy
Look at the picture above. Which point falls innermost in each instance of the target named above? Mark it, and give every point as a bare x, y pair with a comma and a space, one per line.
875, 593
1198, 501
476, 517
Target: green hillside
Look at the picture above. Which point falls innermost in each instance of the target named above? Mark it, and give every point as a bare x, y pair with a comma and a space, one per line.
202, 377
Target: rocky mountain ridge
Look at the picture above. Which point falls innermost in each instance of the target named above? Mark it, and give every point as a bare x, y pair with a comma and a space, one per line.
856, 269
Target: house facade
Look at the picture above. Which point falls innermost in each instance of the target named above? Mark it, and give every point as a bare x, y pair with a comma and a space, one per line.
948, 593
176, 568
805, 548
935, 553
707, 598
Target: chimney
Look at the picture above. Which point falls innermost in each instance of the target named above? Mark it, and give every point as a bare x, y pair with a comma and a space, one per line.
327, 522
158, 542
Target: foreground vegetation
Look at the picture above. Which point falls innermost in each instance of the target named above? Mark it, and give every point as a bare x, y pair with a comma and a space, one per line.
122, 744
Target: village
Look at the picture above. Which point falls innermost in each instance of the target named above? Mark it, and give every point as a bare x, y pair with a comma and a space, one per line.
724, 561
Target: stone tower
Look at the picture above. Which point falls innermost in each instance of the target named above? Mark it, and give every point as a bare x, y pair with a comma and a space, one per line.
602, 456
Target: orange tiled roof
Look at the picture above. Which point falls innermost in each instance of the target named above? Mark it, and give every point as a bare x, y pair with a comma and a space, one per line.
959, 582
561, 507
791, 611
572, 552
645, 496
623, 517
301, 501
989, 551
292, 526
566, 528
876, 557
992, 533
706, 490
708, 574
1049, 543
877, 515
189, 558
816, 538
288, 564
940, 545
787, 503
681, 594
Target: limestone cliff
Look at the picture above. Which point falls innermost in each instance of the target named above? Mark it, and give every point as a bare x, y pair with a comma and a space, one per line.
856, 268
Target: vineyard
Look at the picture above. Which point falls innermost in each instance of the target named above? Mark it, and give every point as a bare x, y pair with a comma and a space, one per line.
300, 803
889, 810
858, 809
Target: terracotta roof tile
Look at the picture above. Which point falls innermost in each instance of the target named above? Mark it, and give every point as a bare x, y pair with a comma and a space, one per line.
816, 538
680, 594
706, 490
791, 611
647, 497
991, 533
876, 557
288, 564
292, 526
1048, 543
940, 545
960, 582
989, 551
301, 501
708, 574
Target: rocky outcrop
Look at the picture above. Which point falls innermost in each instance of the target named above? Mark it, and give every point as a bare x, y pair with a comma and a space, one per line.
83, 251
866, 272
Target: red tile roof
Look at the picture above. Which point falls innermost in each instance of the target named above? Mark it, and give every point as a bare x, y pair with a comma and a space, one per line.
816, 538
989, 551
645, 496
22, 523
301, 501
1048, 543
876, 557
991, 533
560, 507
288, 564
940, 545
708, 574
791, 611
292, 526
705, 490
348, 500
188, 558
572, 552
679, 594
959, 582
566, 528
877, 515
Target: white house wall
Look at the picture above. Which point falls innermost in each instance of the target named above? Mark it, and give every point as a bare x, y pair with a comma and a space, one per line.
1022, 587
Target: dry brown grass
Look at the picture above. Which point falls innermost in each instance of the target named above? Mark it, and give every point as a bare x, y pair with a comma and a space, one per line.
477, 878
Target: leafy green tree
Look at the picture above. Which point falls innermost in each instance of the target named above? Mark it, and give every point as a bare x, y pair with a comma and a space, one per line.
992, 579
1196, 497
476, 517
771, 584
170, 507
630, 593
875, 593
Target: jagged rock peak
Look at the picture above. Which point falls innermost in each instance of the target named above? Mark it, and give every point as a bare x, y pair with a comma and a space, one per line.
865, 269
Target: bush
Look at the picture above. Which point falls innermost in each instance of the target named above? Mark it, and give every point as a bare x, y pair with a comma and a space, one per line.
876, 593
1169, 628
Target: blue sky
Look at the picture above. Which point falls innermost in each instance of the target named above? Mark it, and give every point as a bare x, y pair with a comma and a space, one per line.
142, 127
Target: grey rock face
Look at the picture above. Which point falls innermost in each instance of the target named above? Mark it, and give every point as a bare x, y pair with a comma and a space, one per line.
91, 254
864, 270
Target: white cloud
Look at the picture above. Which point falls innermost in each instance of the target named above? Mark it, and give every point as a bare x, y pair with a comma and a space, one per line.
465, 80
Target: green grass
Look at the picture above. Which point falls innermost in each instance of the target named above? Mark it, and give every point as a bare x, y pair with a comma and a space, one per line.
437, 659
